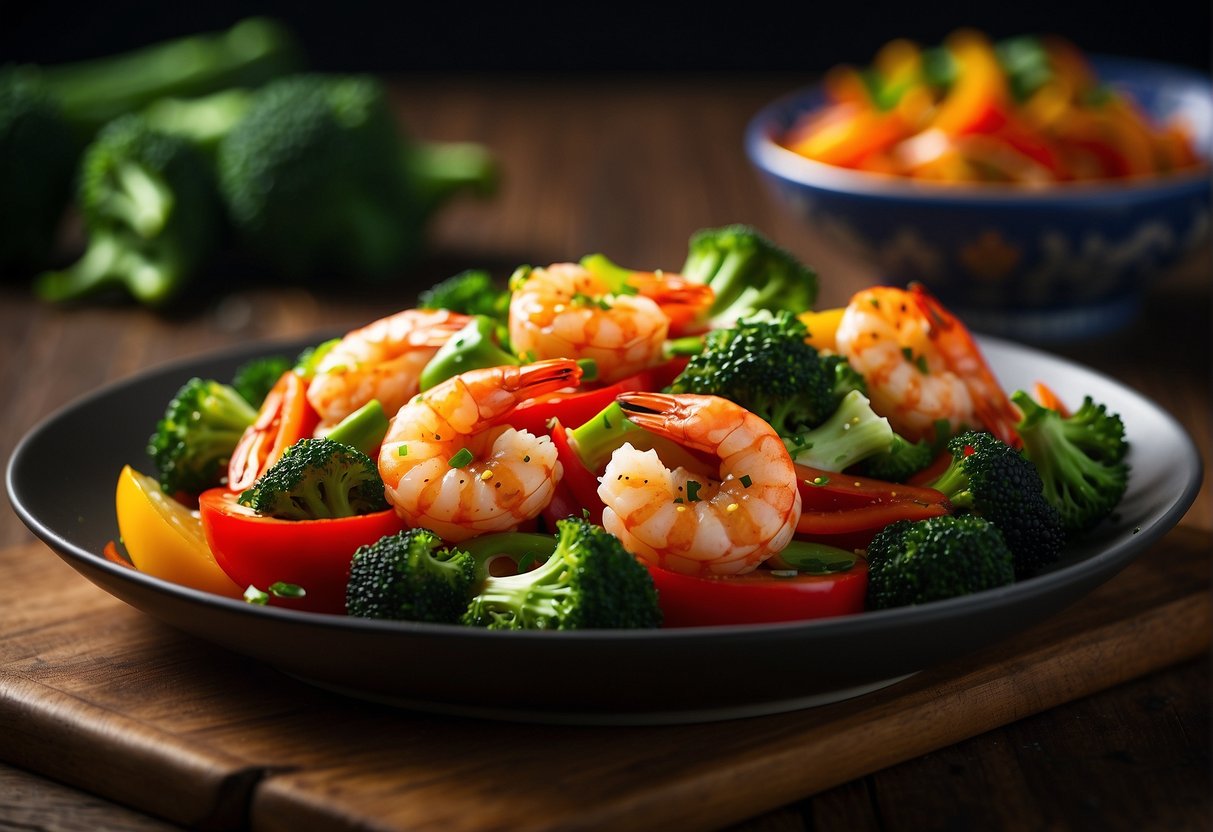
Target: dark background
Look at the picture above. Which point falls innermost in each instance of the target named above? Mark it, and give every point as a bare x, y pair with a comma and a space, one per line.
591, 37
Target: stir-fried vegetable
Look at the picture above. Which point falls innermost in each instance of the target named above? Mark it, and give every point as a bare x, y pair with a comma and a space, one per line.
1027, 110
758, 477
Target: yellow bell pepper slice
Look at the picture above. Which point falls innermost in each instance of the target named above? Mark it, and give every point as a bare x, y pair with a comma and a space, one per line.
164, 538
822, 326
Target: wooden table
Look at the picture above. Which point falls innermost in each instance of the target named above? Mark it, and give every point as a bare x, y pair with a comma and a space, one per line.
629, 167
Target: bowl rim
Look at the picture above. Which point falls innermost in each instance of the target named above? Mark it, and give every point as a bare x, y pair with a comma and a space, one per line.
774, 159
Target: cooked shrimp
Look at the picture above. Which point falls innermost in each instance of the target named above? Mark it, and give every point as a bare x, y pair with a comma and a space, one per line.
695, 524
990, 401
447, 467
920, 363
382, 360
687, 304
567, 311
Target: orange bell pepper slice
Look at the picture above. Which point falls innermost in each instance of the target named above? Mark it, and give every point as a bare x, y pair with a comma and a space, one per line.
285, 418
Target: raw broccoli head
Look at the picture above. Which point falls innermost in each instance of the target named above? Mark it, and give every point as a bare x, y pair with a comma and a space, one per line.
589, 582
997, 482
410, 576
764, 364
915, 562
37, 159
318, 178
901, 461
152, 212
318, 478
1081, 459
310, 176
194, 441
472, 292
748, 273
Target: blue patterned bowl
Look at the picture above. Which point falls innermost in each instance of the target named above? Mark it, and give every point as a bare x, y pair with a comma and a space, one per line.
1050, 264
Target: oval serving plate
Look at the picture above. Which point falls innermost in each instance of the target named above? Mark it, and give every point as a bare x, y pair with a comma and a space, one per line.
616, 677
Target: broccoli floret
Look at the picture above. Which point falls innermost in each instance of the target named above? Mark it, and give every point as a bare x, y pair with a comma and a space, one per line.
410, 576
315, 479
37, 158
470, 348
472, 292
748, 273
902, 460
764, 364
589, 582
852, 433
194, 441
1081, 459
254, 379
152, 212
48, 113
990, 478
317, 178
915, 562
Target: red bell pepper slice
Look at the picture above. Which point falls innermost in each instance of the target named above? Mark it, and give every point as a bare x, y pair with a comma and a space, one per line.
313, 554
576, 494
574, 407
761, 596
847, 511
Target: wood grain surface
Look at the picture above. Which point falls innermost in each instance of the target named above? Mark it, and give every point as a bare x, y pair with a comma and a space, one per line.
629, 167
100, 697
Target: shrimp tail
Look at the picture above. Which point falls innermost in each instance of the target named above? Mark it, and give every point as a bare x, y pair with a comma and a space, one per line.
687, 304
542, 377
990, 402
656, 412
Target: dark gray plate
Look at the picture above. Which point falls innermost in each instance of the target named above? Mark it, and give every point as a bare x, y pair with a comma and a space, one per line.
665, 676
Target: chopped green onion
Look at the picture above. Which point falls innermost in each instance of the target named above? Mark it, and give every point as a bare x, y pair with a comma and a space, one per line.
460, 459
281, 589
693, 491
746, 481
589, 369
255, 596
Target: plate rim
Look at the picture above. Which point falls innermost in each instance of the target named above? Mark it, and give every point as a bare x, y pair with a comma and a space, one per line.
1117, 553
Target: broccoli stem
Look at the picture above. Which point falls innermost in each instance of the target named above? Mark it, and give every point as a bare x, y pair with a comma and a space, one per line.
204, 121
954, 484
728, 275
141, 201
111, 261
94, 92
598, 438
439, 170
517, 546
363, 429
531, 598
852, 433
687, 345
336, 496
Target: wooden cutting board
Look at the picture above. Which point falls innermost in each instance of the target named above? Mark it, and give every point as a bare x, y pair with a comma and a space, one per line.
102, 697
